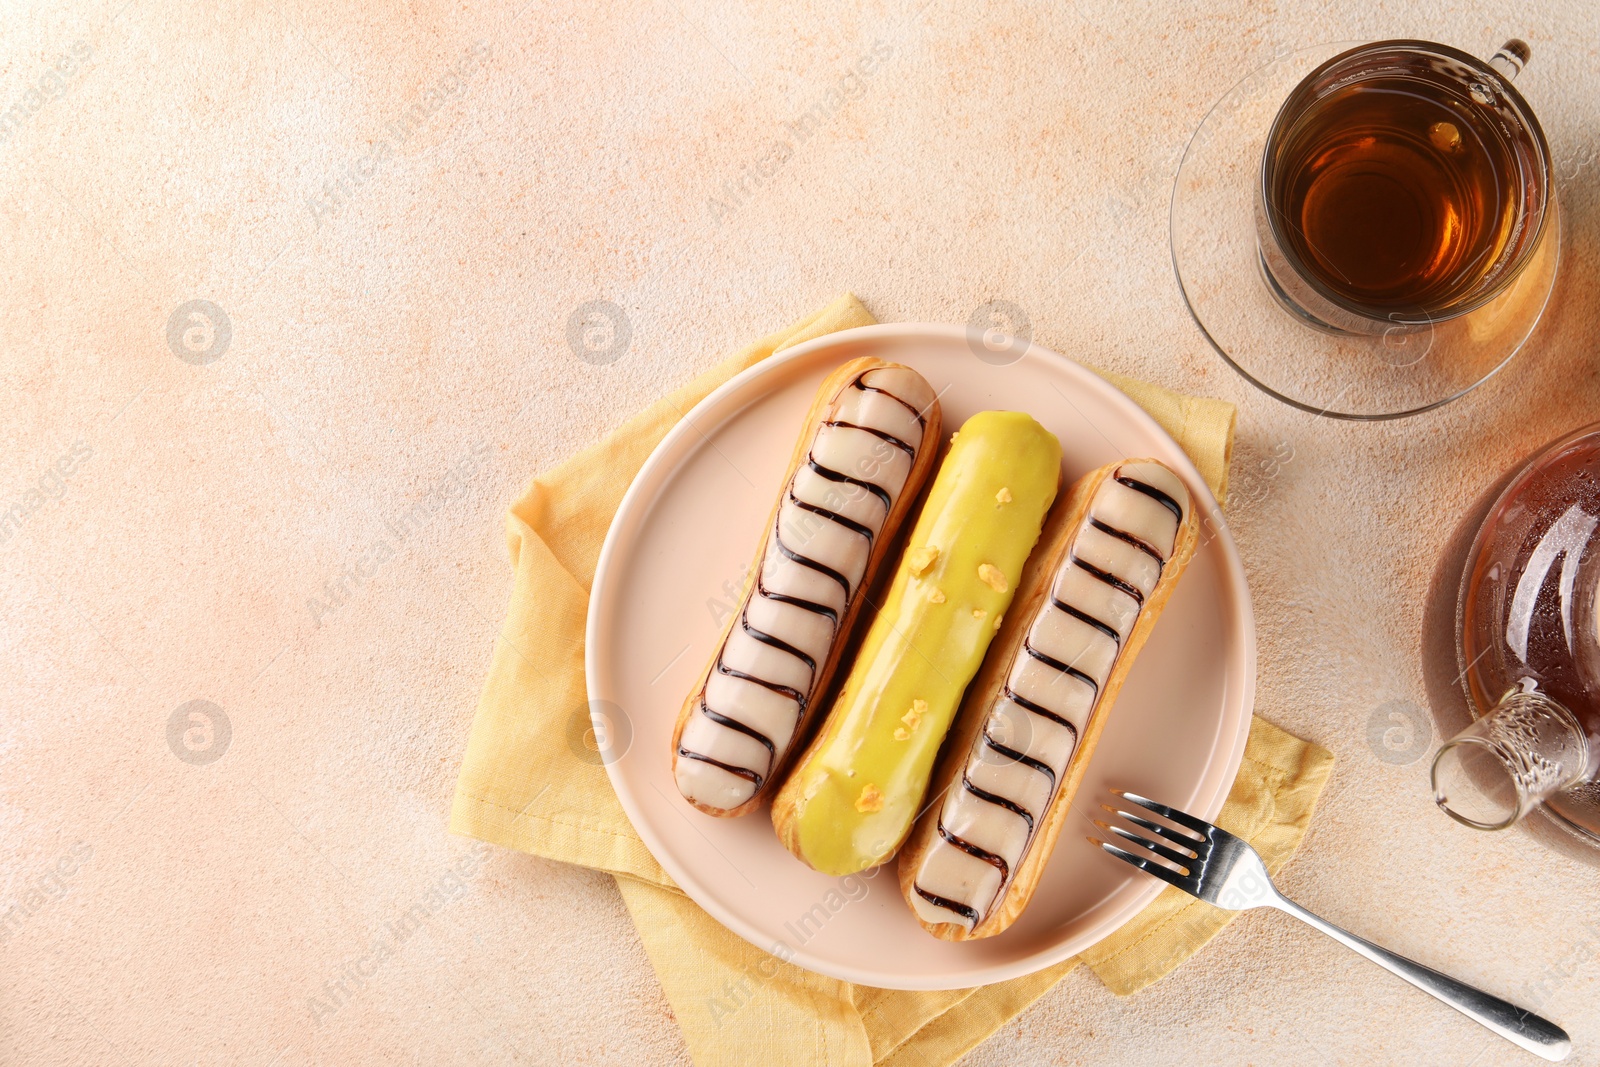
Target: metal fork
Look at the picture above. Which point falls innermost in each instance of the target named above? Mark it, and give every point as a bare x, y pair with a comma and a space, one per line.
1221, 869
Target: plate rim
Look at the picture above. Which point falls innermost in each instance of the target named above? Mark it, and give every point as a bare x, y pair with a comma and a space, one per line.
1231, 567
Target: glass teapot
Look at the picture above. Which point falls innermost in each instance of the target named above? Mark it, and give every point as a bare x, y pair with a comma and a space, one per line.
1528, 632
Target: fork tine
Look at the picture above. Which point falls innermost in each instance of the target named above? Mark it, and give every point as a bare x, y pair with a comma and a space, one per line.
1183, 882
1180, 817
1177, 837
1185, 861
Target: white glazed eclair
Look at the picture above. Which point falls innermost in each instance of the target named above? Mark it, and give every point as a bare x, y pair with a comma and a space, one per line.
864, 453
1032, 718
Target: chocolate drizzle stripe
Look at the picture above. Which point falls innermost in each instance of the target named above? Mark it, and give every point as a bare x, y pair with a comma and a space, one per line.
1110, 579
776, 642
784, 690
1084, 617
833, 516
882, 435
1020, 757
1051, 661
861, 383
799, 602
997, 800
1152, 492
740, 772
1038, 709
948, 905
734, 724
1127, 538
806, 561
834, 476
997, 862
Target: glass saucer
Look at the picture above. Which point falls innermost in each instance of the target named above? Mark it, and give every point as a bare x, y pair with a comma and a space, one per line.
1340, 375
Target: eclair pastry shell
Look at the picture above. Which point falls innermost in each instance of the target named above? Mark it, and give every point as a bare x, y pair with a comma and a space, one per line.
922, 465
1037, 580
855, 794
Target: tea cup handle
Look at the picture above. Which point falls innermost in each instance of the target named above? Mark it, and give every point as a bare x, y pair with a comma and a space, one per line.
1511, 58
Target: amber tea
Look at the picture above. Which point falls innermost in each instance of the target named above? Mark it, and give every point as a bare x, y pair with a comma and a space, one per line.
1393, 195
1402, 182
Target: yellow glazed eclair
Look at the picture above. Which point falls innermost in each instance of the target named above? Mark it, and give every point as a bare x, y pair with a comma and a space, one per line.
855, 792
1031, 720
865, 451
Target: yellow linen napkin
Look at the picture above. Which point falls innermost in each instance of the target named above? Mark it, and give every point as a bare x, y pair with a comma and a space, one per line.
529, 781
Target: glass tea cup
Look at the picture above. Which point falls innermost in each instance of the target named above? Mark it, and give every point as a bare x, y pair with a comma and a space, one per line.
1403, 183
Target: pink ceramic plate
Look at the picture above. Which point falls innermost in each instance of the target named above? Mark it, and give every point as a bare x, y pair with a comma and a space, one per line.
672, 566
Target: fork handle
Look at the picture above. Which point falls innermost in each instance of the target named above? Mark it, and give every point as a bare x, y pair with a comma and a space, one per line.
1539, 1036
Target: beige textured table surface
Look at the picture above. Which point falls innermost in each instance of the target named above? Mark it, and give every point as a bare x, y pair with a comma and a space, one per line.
296, 518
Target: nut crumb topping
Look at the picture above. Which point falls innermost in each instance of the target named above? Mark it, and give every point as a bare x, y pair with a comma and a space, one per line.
870, 799
990, 575
913, 718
